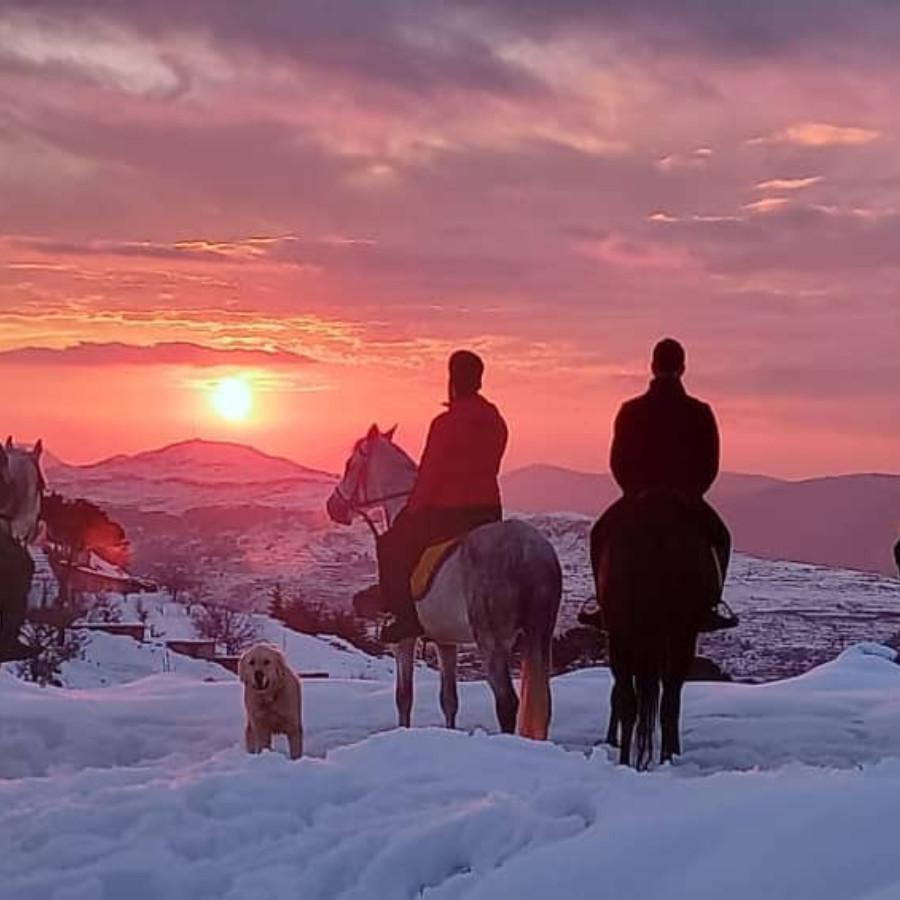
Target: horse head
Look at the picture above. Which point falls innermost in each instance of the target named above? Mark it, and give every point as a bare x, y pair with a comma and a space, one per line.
21, 475
378, 473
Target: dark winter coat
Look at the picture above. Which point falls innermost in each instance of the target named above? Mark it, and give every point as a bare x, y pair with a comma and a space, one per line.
665, 439
461, 460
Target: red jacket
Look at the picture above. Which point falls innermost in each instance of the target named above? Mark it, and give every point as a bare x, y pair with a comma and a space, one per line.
462, 456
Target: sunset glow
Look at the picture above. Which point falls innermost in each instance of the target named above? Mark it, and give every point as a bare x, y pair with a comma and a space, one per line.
341, 200
232, 399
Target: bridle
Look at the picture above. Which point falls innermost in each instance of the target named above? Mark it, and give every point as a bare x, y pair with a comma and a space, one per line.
360, 502
7, 516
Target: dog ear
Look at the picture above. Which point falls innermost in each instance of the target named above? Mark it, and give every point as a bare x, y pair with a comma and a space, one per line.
242, 666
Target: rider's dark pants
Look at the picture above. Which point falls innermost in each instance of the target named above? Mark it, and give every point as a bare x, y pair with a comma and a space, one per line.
708, 519
402, 545
16, 571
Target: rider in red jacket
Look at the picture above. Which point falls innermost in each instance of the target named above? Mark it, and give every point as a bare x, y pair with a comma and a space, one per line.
456, 489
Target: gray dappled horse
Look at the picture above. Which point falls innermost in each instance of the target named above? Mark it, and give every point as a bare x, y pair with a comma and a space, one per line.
21, 493
501, 583
655, 578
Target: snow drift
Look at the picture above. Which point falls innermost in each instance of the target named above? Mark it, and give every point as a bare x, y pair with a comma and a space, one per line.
785, 790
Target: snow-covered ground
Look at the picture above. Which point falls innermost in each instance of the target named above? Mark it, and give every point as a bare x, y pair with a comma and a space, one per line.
142, 791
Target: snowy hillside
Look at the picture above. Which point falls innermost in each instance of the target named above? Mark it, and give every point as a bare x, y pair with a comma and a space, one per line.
246, 520
117, 660
784, 791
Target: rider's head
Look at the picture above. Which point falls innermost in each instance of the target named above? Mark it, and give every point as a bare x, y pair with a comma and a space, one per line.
466, 369
668, 359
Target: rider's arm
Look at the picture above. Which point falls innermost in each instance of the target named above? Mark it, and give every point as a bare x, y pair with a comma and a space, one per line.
708, 457
623, 455
430, 468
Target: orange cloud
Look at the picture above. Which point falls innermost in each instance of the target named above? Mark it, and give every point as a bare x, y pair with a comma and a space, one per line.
787, 184
766, 205
820, 134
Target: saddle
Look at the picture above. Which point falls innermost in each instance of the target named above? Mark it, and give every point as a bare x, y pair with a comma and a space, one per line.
429, 565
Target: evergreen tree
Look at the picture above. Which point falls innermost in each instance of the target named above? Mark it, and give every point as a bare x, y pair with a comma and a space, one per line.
277, 605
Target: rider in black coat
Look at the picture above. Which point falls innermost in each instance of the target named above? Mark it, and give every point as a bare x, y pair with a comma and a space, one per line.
667, 440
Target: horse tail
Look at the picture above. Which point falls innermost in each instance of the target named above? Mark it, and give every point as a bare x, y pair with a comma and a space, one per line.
535, 706
647, 715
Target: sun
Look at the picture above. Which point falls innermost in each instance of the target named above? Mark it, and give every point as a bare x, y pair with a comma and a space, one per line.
232, 399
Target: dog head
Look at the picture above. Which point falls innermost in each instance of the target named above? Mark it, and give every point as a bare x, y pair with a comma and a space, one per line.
262, 668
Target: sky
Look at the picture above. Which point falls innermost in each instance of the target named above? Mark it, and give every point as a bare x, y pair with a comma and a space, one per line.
324, 199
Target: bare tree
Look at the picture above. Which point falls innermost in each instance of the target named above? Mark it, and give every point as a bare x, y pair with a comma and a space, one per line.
233, 629
177, 576
104, 608
55, 647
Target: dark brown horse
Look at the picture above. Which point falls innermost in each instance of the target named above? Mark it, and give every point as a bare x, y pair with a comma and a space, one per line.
655, 576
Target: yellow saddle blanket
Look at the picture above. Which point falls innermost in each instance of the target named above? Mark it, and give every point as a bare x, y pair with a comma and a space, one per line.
428, 566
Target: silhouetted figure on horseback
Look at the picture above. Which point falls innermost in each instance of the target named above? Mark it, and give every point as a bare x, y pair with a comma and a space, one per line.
666, 441
21, 484
659, 556
455, 491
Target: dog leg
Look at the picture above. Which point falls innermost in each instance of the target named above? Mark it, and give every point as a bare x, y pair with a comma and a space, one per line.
295, 740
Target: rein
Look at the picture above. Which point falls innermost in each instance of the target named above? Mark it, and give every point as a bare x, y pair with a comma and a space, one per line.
360, 502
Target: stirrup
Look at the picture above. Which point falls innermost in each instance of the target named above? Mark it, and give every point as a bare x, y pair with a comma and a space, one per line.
591, 615
720, 618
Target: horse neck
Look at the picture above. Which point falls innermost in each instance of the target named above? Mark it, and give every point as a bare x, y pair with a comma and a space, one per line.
23, 509
393, 473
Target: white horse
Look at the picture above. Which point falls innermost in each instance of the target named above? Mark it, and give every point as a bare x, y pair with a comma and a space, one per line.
501, 583
21, 493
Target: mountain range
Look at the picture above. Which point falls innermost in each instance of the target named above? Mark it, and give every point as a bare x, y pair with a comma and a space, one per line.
848, 521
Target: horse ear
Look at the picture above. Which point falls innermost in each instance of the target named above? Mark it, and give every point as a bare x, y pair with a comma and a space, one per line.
373, 433
9, 442
389, 434
38, 449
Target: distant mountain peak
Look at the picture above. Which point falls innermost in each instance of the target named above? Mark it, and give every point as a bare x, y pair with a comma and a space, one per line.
200, 460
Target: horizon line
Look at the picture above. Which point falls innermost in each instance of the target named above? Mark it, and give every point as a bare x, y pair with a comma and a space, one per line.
506, 472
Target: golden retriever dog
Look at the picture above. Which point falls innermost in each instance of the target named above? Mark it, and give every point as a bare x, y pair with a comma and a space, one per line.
272, 699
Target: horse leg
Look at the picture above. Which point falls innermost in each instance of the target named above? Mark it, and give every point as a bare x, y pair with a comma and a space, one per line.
626, 706
449, 696
500, 680
612, 732
669, 716
404, 654
670, 711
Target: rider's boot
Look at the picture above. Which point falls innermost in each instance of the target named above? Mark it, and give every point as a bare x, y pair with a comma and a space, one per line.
404, 626
718, 618
369, 602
